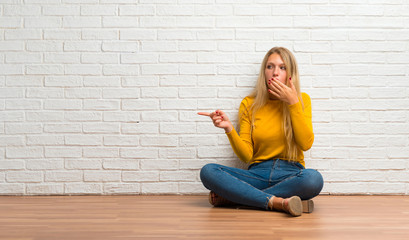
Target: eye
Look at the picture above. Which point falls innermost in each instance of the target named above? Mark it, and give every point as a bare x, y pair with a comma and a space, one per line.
269, 67
282, 67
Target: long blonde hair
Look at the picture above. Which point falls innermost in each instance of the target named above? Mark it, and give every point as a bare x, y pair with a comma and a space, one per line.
261, 96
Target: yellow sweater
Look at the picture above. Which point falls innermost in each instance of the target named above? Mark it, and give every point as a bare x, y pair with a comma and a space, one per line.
267, 139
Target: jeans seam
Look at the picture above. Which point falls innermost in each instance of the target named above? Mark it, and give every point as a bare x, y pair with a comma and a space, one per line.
261, 179
288, 178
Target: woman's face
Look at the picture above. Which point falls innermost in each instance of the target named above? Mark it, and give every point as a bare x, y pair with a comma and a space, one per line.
276, 69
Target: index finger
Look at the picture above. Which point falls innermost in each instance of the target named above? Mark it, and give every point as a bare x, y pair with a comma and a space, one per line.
204, 114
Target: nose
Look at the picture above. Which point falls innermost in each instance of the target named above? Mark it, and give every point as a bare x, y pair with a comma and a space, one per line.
275, 72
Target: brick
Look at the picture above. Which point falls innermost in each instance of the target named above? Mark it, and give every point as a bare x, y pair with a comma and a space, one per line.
48, 164
51, 152
83, 188
121, 188
140, 176
82, 22
121, 116
102, 176
24, 152
12, 188
26, 177
162, 141
159, 188
22, 34
101, 128
101, 104
121, 164
12, 165
45, 140
45, 189
62, 128
139, 153
179, 153
140, 128
83, 164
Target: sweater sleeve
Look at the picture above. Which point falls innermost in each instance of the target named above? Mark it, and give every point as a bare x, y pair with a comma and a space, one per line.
301, 121
242, 144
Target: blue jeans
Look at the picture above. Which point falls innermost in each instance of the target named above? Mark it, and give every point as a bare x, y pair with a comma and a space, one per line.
254, 187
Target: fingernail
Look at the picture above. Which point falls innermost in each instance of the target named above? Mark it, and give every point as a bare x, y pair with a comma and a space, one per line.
290, 78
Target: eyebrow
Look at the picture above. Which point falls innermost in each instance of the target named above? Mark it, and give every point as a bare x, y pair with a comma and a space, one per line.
274, 64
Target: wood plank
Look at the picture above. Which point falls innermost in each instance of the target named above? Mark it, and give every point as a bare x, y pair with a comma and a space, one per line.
191, 217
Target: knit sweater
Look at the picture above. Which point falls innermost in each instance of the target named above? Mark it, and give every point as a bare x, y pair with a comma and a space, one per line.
267, 139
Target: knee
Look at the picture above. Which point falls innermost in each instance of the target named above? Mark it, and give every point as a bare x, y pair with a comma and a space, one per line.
313, 182
207, 171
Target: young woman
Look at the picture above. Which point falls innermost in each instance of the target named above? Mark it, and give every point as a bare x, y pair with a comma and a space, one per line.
275, 129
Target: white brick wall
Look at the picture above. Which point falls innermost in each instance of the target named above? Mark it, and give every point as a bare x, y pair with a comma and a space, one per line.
100, 97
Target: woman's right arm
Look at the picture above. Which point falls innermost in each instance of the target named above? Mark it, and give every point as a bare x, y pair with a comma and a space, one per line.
241, 144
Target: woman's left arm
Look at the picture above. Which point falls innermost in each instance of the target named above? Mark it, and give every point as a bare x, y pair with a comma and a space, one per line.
301, 120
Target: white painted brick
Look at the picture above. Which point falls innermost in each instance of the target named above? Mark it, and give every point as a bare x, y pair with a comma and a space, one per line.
121, 164
24, 152
212, 152
197, 92
160, 116
62, 128
27, 177
122, 188
237, 69
12, 188
179, 153
139, 58
23, 58
140, 176
22, 128
58, 104
100, 58
45, 189
162, 92
140, 128
139, 153
102, 81
101, 104
22, 34
121, 116
140, 81
83, 188
82, 93
62, 34
98, 10
45, 140
139, 10
120, 22
101, 34
160, 188
192, 188
101, 152
163, 141
35, 164
14, 10
102, 176
11, 46
221, 81
120, 46
51, 152
121, 140
178, 176
11, 141
81, 22
122, 70
214, 10
140, 104
386, 188
61, 57
43, 22
11, 69
386, 141
177, 128
171, 104
83, 164
159, 164
83, 116
101, 128
12, 165
80, 140
63, 81
66, 10
189, 141
352, 116
82, 46
44, 69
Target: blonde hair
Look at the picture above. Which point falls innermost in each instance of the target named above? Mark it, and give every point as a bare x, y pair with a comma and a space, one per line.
261, 96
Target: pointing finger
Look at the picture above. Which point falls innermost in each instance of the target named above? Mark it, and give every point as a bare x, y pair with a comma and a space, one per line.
204, 114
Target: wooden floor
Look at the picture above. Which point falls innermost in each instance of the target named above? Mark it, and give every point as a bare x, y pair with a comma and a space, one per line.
191, 217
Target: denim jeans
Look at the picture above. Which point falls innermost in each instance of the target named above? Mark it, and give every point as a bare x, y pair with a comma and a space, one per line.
255, 186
